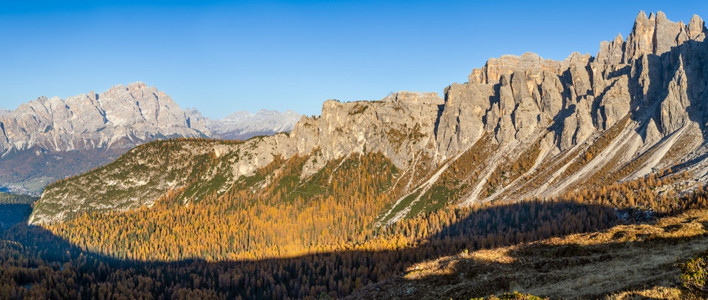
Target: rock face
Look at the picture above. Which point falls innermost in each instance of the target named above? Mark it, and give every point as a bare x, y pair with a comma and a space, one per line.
121, 117
50, 138
635, 107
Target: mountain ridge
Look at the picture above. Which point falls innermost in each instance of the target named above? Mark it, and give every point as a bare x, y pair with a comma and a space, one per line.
521, 127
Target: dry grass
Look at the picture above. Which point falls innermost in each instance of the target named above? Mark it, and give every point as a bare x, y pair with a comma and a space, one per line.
656, 292
624, 262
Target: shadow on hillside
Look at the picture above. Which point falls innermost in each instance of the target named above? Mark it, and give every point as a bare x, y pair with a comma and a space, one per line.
662, 72
557, 270
332, 274
12, 214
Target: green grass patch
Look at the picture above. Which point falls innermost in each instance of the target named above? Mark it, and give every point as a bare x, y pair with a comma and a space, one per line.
198, 191
402, 205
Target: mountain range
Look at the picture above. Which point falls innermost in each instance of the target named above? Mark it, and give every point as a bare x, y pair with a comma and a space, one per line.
583, 177
51, 138
243, 125
520, 127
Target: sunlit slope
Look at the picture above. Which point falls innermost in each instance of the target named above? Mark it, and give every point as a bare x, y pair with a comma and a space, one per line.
272, 213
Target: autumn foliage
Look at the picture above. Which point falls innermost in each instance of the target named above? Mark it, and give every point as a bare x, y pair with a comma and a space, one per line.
275, 235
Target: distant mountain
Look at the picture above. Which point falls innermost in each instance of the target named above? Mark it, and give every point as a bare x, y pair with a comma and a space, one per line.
243, 125
51, 138
118, 118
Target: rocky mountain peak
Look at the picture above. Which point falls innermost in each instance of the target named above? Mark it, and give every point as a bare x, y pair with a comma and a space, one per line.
405, 96
242, 125
120, 117
496, 68
611, 52
657, 34
696, 28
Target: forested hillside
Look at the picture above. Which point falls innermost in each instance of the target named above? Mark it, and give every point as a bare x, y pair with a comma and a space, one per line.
9, 198
38, 264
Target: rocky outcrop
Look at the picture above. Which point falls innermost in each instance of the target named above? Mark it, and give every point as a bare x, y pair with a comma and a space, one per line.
529, 62
461, 123
400, 126
674, 114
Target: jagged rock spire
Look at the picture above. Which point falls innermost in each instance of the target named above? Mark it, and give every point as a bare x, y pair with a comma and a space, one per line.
656, 35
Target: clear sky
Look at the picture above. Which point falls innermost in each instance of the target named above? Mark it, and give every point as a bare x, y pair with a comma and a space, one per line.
225, 56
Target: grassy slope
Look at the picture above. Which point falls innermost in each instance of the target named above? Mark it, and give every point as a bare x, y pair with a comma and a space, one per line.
622, 262
272, 213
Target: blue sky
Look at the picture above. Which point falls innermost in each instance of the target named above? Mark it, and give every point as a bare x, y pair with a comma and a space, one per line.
225, 56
